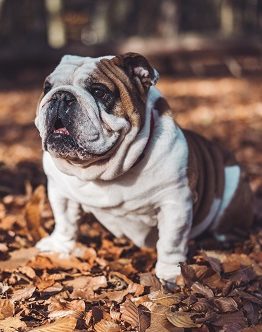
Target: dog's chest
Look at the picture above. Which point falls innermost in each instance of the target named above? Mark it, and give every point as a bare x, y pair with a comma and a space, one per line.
122, 210
121, 200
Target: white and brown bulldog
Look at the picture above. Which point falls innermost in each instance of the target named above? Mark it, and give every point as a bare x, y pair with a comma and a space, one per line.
112, 148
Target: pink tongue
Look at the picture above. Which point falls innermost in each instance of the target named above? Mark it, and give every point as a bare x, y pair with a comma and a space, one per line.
63, 131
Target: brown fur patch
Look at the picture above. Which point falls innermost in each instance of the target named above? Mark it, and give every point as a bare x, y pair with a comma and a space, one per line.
206, 165
162, 106
238, 216
205, 173
132, 105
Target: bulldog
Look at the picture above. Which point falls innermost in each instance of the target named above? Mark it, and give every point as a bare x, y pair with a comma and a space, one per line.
112, 148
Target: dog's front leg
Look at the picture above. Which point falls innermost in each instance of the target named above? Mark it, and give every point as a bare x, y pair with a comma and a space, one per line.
174, 224
66, 214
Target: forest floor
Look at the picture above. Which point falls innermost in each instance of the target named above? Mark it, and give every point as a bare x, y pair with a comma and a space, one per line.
108, 284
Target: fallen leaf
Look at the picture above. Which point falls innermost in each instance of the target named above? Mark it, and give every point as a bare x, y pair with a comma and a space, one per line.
226, 304
106, 326
18, 258
150, 280
51, 290
159, 320
231, 318
11, 324
93, 283
257, 328
188, 274
181, 319
198, 288
7, 308
135, 316
52, 260
23, 293
201, 305
28, 271
252, 312
165, 299
33, 210
129, 313
214, 282
243, 275
65, 324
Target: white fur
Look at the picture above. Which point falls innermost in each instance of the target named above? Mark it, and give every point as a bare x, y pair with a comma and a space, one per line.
232, 176
132, 200
153, 193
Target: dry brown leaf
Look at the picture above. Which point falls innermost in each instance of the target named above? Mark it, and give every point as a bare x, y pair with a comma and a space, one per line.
243, 275
136, 289
51, 290
200, 270
115, 315
226, 304
159, 321
117, 276
11, 324
23, 293
76, 305
165, 299
231, 318
188, 274
234, 262
198, 288
44, 282
58, 261
252, 312
62, 313
135, 316
7, 308
214, 281
129, 313
27, 271
33, 212
106, 326
85, 253
214, 262
181, 319
257, 328
18, 258
150, 280
116, 296
87, 283
65, 324
247, 296
201, 305
3, 248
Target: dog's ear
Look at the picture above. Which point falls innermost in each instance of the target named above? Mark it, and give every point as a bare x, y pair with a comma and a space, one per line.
137, 68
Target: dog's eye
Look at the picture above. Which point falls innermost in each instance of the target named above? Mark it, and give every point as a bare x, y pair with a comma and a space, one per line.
100, 91
47, 87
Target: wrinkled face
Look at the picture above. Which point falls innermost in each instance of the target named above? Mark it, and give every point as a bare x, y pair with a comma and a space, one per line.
90, 104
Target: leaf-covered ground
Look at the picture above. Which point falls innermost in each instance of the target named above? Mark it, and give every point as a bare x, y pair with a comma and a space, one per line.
108, 285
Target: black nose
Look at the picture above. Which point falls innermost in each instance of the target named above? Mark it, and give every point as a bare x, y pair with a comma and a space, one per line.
64, 96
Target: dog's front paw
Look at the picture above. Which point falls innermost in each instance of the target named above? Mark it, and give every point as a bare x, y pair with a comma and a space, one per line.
55, 243
170, 286
167, 273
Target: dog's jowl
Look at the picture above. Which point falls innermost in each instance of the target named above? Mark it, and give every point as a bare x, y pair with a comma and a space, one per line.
112, 148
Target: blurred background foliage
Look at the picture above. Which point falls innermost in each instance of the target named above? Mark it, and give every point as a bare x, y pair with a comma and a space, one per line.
208, 54
182, 36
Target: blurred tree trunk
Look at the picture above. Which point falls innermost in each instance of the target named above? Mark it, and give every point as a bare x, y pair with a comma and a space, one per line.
23, 20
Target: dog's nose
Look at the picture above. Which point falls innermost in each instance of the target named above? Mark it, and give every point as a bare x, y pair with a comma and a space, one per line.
65, 96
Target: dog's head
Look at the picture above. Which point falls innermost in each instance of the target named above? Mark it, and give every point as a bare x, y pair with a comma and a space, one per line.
90, 104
